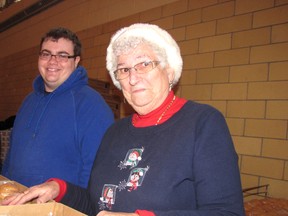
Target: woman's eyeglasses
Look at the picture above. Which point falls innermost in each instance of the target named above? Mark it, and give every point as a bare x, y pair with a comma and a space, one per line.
140, 68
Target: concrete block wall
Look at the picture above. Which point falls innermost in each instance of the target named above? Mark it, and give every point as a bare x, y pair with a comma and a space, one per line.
235, 58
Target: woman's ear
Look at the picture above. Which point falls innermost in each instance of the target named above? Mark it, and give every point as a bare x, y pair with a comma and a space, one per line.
171, 74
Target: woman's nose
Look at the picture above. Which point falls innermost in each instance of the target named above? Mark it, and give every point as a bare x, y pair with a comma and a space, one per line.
133, 76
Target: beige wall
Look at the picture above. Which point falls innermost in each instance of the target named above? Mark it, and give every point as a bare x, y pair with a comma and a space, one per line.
235, 58
74, 14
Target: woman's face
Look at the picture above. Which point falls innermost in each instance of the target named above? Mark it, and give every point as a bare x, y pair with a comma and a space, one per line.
144, 92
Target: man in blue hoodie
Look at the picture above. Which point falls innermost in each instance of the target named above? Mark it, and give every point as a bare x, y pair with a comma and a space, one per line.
59, 126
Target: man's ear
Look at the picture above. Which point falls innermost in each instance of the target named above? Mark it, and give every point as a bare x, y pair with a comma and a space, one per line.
77, 60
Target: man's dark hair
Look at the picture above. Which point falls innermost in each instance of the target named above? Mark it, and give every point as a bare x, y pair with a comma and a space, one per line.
61, 32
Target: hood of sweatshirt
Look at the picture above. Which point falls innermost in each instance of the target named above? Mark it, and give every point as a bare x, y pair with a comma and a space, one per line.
77, 78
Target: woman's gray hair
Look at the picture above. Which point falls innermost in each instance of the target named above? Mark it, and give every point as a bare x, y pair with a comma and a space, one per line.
159, 40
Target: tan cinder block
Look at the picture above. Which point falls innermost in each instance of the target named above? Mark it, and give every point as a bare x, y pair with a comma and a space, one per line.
268, 90
232, 57
111, 27
221, 1
218, 11
275, 148
90, 33
90, 52
277, 109
86, 43
249, 180
280, 2
246, 109
213, 75
87, 64
187, 18
251, 37
177, 91
101, 50
269, 53
198, 61
165, 23
280, 33
94, 17
175, 8
239, 161
122, 9
219, 105
209, 44
201, 30
99, 61
251, 72
235, 23
194, 4
237, 91
286, 171
271, 16
260, 166
102, 39
266, 128
246, 6
143, 5
119, 9
247, 145
188, 77
278, 71
178, 34
196, 92
189, 46
236, 126
152, 14
92, 74
277, 188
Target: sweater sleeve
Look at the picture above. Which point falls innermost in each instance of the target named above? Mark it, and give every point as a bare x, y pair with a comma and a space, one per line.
144, 213
78, 198
62, 188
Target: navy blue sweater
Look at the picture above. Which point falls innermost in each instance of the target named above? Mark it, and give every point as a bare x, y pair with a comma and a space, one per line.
185, 166
58, 134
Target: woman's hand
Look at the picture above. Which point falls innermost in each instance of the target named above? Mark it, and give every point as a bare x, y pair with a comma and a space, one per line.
39, 194
108, 213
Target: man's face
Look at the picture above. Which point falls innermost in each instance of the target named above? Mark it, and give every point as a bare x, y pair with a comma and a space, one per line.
54, 72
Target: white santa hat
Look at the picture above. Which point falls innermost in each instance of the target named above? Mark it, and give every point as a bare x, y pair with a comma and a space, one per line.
150, 33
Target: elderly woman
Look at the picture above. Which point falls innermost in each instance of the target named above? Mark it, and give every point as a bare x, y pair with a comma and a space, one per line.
171, 157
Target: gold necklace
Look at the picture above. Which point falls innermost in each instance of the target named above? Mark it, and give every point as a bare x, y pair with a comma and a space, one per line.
163, 113
167, 108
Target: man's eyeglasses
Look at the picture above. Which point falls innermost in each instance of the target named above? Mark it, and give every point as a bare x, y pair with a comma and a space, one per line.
140, 68
62, 57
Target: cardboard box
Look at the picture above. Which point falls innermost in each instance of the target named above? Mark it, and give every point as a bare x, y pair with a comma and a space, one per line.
46, 209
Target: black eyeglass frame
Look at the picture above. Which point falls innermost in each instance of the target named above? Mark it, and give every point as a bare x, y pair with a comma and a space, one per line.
57, 56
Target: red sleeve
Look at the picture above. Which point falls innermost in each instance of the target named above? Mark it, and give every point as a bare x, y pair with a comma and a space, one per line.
62, 188
144, 213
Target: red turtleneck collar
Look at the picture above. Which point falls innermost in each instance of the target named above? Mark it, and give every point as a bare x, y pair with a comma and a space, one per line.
167, 109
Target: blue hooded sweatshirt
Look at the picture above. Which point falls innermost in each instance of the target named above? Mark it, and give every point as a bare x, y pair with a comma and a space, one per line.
57, 134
